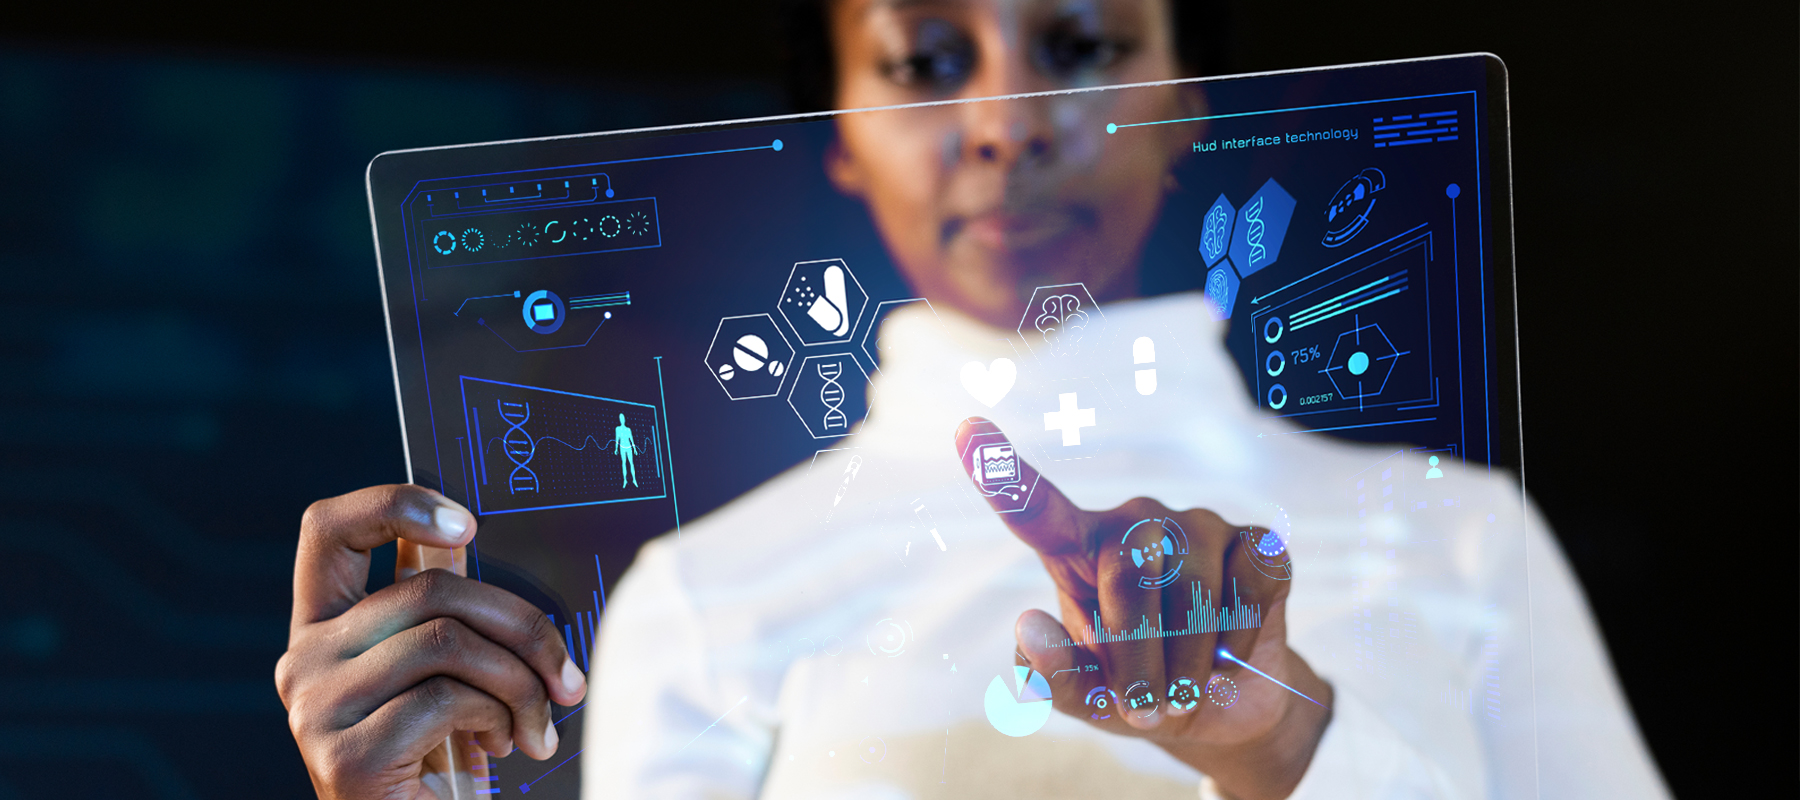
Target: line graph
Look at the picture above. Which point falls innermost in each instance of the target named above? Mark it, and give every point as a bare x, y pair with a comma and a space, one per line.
1203, 618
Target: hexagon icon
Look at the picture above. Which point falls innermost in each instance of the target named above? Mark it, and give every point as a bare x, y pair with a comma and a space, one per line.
823, 301
749, 357
1061, 320
1215, 230
875, 341
830, 394
1361, 360
1221, 289
1261, 225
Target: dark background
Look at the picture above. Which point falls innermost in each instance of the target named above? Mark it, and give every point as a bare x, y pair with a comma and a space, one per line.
193, 347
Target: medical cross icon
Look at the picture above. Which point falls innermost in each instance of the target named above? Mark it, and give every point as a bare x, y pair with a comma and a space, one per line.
1069, 418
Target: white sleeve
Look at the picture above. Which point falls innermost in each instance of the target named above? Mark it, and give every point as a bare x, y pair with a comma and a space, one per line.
658, 722
1587, 742
1361, 756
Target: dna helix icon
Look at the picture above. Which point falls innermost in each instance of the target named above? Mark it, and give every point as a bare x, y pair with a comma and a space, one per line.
519, 446
1253, 235
832, 395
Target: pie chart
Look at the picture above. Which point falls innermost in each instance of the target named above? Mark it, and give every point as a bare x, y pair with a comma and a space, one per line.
1021, 708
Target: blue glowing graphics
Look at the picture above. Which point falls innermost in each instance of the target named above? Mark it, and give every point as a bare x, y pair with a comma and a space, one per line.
544, 311
1221, 290
1157, 547
1020, 709
1215, 230
1408, 129
1184, 694
1221, 691
1202, 617
1361, 361
530, 448
482, 238
1101, 703
830, 394
1261, 225
1349, 211
750, 357
823, 301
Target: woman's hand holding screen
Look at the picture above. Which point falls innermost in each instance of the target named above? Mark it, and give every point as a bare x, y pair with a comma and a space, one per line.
374, 683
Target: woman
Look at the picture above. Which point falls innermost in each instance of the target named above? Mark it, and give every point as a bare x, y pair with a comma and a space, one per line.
978, 204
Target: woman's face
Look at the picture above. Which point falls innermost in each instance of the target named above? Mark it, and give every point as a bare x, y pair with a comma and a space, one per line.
979, 203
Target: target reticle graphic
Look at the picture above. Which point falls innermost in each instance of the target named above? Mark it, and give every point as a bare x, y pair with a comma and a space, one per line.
1184, 694
1361, 361
1101, 703
997, 468
1221, 692
889, 637
1269, 545
1156, 546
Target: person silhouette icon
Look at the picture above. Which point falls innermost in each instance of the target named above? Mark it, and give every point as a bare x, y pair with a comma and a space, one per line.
1434, 472
628, 451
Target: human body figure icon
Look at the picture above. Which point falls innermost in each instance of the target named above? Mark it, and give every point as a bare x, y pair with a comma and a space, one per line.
1434, 472
627, 453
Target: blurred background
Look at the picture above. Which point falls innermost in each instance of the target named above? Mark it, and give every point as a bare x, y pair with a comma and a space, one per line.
193, 349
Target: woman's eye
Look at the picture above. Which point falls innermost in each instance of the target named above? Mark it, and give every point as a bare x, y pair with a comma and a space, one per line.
1066, 50
942, 58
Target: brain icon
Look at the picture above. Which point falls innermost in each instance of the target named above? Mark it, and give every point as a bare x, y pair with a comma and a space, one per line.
1062, 322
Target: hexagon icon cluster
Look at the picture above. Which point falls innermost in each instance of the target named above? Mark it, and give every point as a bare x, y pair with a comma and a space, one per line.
1237, 243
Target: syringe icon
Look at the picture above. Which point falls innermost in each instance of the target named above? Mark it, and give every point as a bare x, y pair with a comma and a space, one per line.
930, 524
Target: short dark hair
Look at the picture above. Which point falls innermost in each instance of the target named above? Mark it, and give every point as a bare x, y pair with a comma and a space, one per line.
1202, 37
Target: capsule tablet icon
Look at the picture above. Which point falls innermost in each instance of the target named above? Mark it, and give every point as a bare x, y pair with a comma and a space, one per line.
1143, 351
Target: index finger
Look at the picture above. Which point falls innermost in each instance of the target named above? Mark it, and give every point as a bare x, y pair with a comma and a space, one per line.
1036, 511
331, 566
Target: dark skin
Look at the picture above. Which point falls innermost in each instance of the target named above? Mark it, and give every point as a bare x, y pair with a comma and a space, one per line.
977, 203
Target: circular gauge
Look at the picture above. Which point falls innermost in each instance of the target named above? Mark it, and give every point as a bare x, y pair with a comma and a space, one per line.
526, 235
1184, 694
473, 240
1156, 547
581, 230
1221, 691
1140, 699
1268, 543
637, 223
544, 311
444, 243
1101, 703
609, 226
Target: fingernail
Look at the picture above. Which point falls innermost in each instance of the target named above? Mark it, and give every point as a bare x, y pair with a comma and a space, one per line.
451, 522
550, 736
572, 680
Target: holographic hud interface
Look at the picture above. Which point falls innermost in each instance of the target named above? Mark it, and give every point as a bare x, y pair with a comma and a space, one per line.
758, 340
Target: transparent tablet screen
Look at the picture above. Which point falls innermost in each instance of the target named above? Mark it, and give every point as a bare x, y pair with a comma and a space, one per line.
786, 426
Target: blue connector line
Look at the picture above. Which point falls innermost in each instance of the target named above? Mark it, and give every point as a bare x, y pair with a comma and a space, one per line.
715, 722
1226, 654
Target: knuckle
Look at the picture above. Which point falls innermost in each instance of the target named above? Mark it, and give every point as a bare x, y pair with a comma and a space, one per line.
443, 637
539, 634
437, 694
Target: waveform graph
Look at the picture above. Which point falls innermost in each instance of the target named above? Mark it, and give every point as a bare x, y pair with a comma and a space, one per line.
1202, 617
532, 448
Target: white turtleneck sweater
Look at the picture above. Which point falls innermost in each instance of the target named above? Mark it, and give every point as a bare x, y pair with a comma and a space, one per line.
749, 657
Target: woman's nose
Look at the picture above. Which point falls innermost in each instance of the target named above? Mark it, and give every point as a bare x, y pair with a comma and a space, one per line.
1010, 133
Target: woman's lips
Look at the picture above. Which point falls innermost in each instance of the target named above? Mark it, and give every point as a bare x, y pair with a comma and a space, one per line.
997, 230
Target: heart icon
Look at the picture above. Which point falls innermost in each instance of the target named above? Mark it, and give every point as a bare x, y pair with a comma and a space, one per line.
989, 384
